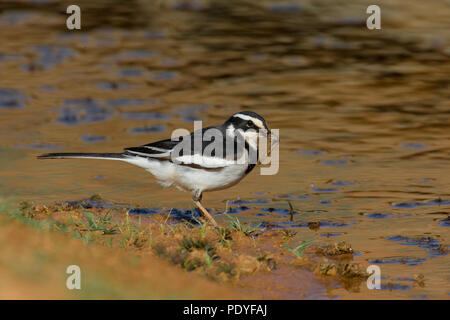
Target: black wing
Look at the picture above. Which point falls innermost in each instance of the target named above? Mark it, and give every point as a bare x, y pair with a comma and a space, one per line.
163, 150
159, 149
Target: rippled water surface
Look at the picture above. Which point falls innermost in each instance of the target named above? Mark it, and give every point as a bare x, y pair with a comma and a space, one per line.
363, 115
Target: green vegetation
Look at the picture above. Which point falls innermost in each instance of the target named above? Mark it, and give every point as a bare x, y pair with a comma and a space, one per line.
298, 250
247, 230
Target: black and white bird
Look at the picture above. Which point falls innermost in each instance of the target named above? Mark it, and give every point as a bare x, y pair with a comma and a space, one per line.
193, 166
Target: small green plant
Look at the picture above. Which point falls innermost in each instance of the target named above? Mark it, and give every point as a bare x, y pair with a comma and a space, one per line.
224, 236
203, 230
247, 230
191, 243
298, 250
99, 223
133, 235
208, 260
288, 233
26, 209
83, 236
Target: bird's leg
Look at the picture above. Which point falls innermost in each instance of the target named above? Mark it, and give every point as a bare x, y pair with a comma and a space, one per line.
197, 198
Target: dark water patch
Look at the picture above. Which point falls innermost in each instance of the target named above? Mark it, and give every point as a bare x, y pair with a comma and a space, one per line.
335, 224
169, 62
395, 286
334, 162
12, 99
85, 110
289, 196
113, 85
163, 75
445, 222
403, 279
10, 57
257, 57
325, 202
144, 116
125, 102
86, 40
414, 145
349, 21
89, 138
310, 152
189, 215
237, 209
257, 201
285, 7
260, 214
149, 34
148, 129
130, 72
377, 215
12, 18
342, 183
96, 202
137, 54
190, 113
48, 88
430, 244
284, 212
143, 211
323, 190
408, 205
409, 261
50, 56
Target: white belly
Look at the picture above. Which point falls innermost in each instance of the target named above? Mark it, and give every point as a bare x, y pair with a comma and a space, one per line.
188, 178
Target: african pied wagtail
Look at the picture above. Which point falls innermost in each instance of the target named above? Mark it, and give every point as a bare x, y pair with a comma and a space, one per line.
221, 157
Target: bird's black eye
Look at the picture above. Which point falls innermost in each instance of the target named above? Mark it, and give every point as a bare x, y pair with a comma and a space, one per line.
249, 124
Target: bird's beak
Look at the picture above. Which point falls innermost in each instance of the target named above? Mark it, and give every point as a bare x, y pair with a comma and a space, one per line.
273, 137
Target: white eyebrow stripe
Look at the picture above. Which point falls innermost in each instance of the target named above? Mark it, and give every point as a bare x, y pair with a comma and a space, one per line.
257, 122
243, 116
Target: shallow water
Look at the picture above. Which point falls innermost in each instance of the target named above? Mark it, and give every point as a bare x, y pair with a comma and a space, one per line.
363, 116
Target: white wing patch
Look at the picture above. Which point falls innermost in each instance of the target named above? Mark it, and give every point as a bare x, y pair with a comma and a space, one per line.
203, 161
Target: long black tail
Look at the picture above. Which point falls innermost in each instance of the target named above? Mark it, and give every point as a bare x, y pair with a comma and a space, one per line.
75, 155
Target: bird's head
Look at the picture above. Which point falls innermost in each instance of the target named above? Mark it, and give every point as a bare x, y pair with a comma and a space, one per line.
249, 124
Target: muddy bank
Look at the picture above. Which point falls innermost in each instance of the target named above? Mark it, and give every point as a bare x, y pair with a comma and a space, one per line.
34, 260
251, 259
